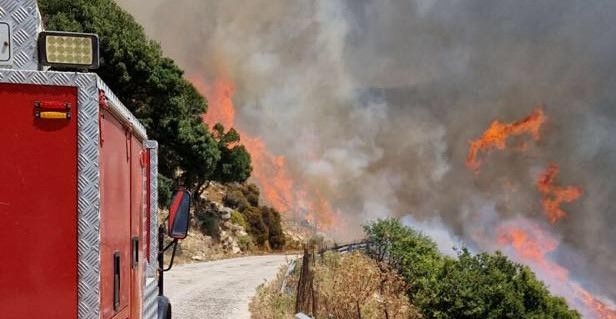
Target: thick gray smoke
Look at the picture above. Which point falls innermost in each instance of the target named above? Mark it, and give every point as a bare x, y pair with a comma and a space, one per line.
384, 96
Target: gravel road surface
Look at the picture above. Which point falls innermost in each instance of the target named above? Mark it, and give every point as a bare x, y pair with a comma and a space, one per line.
219, 289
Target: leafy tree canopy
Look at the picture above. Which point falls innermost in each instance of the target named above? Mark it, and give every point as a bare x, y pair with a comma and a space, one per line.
467, 287
153, 88
234, 163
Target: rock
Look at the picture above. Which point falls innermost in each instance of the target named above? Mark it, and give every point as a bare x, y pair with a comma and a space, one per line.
225, 214
227, 225
235, 248
234, 228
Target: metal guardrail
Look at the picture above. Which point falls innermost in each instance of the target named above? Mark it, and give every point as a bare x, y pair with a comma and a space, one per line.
361, 246
364, 246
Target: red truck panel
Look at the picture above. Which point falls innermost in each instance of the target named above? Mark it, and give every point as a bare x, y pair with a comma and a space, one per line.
115, 214
138, 193
38, 204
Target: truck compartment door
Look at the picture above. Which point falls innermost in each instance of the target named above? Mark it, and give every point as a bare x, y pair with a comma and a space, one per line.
38, 201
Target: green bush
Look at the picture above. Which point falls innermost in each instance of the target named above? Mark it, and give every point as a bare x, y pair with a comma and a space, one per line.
256, 227
238, 219
251, 191
245, 243
236, 200
262, 223
253, 199
466, 287
271, 218
210, 225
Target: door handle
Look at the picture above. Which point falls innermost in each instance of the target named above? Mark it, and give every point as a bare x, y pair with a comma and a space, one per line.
135, 251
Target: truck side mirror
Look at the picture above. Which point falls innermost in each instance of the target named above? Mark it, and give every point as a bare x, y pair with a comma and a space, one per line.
179, 214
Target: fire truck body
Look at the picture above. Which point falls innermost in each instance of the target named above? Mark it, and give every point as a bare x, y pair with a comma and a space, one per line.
78, 190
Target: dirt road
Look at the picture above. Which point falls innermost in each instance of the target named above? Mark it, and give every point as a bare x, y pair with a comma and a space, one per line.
219, 289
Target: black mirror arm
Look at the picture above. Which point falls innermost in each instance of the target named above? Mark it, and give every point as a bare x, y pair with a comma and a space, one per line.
175, 246
161, 255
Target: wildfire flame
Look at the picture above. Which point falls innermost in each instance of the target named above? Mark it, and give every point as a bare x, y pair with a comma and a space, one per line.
601, 310
271, 172
498, 133
527, 241
532, 245
553, 196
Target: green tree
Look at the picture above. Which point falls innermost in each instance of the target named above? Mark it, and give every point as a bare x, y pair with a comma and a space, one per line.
234, 164
415, 255
491, 286
153, 88
467, 287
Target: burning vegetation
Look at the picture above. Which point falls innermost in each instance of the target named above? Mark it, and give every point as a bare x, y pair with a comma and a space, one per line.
355, 110
526, 240
553, 196
295, 198
498, 133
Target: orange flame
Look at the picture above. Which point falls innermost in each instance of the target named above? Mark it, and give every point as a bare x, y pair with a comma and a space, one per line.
553, 196
220, 109
271, 174
533, 245
498, 133
601, 310
270, 171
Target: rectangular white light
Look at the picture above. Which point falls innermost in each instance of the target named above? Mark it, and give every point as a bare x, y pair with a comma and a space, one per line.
69, 50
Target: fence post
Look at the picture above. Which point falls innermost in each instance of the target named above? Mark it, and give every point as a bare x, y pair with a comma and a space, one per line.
305, 294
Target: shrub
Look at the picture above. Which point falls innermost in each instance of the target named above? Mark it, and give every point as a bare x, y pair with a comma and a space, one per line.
251, 191
238, 219
245, 243
355, 286
466, 287
344, 286
210, 225
236, 200
271, 218
256, 227
253, 199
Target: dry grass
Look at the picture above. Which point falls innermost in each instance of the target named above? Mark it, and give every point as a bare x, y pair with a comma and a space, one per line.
346, 286
356, 286
270, 303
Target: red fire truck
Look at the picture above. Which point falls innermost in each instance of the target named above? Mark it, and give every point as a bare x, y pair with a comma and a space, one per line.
78, 184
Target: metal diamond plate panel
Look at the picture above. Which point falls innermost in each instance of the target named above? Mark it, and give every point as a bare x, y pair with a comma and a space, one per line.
26, 23
88, 176
119, 109
150, 305
153, 147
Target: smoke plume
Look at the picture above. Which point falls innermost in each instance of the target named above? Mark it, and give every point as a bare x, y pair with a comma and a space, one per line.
375, 103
